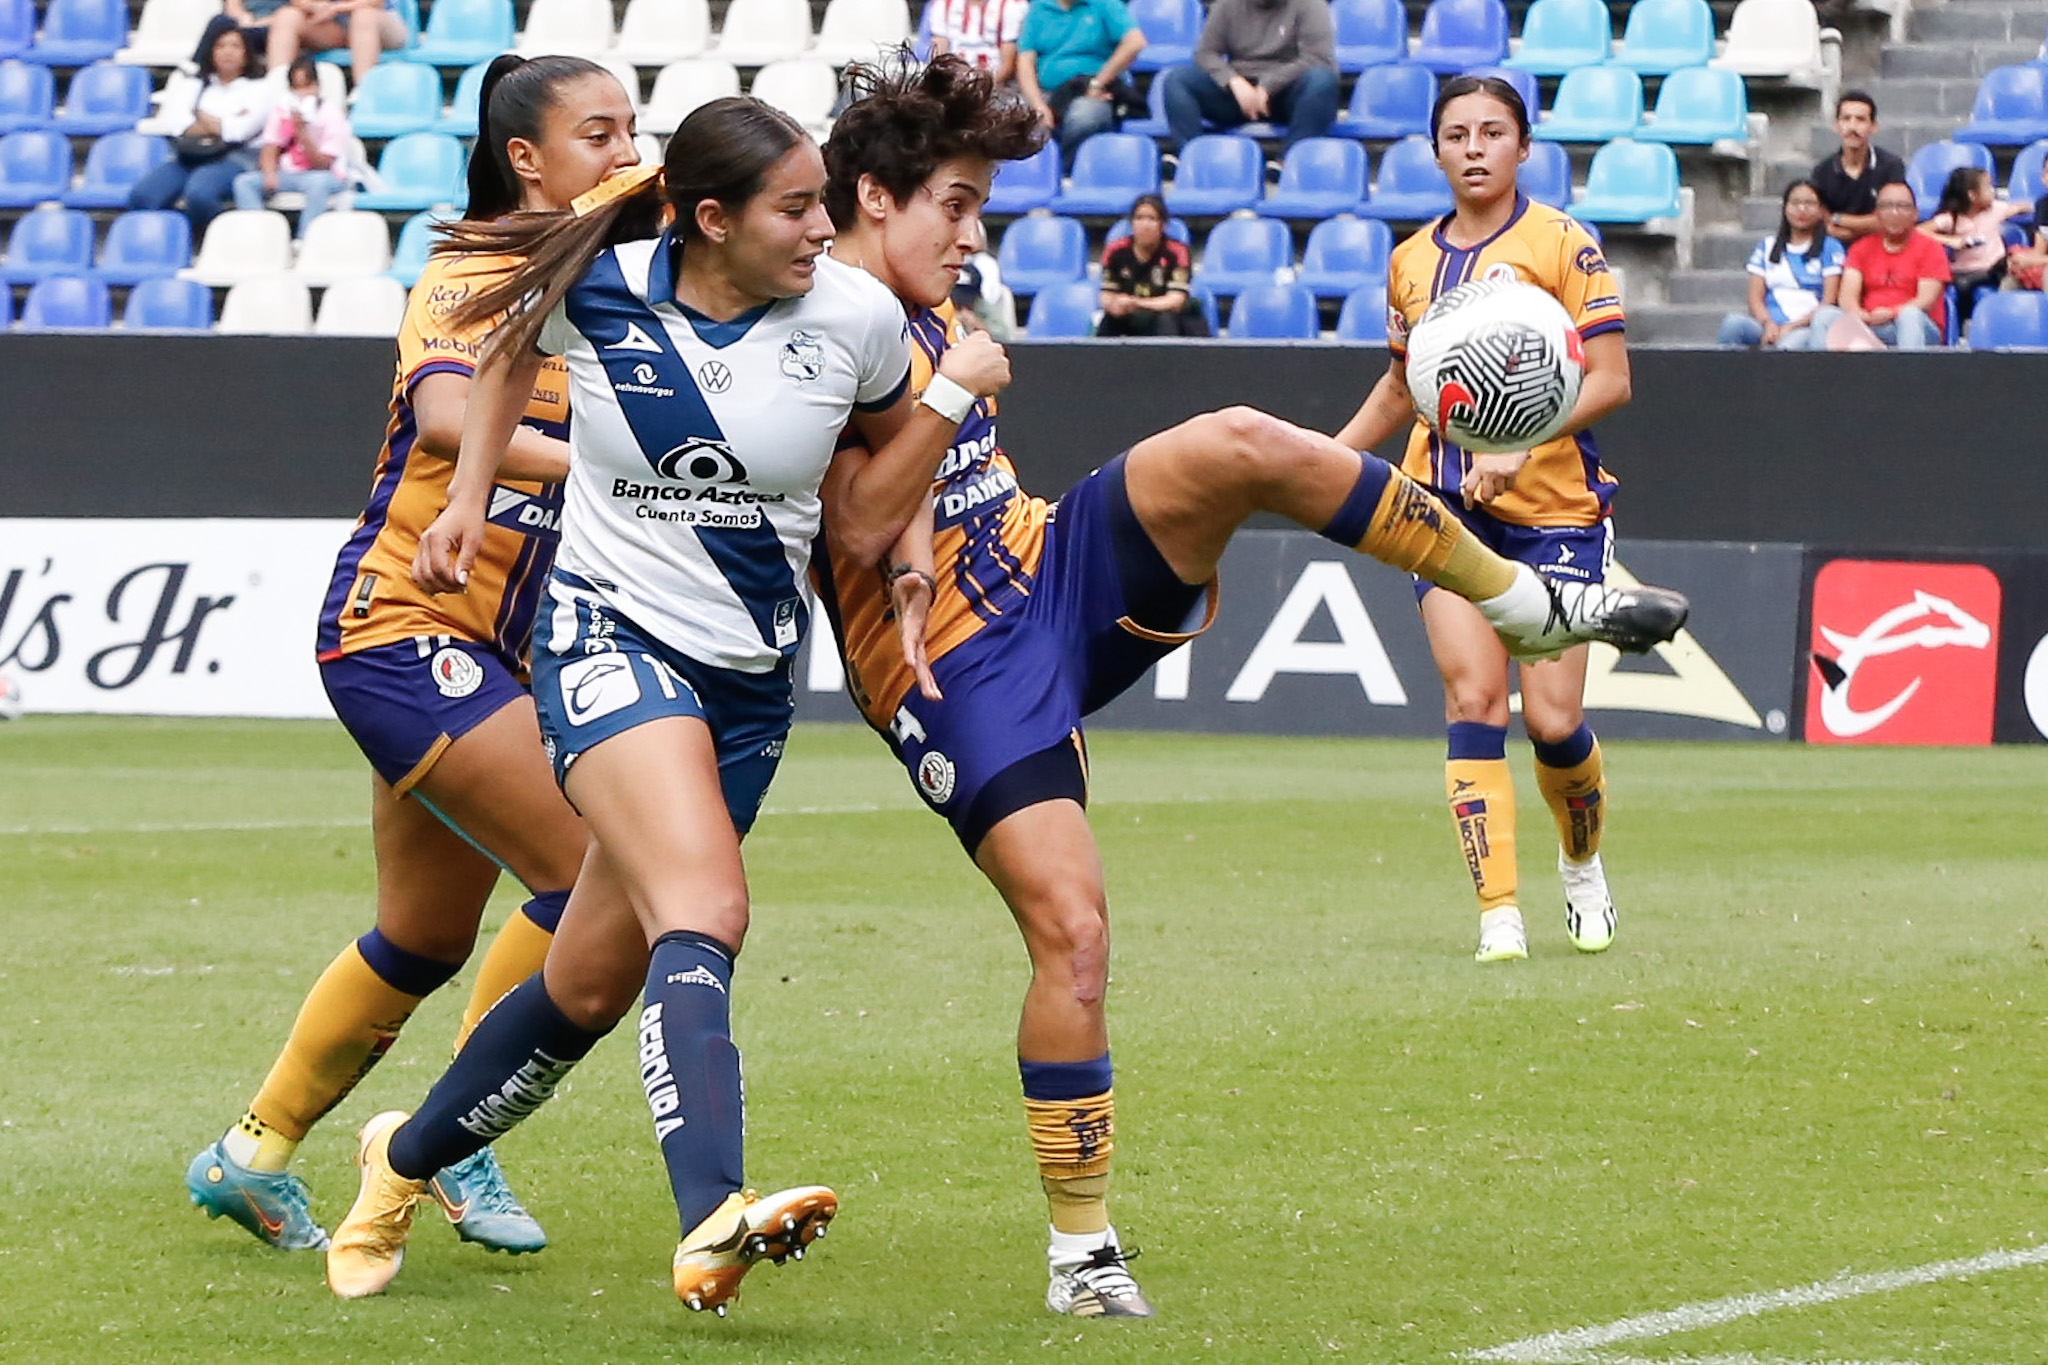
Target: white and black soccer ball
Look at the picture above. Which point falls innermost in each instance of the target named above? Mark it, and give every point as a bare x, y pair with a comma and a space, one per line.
1495, 366
10, 697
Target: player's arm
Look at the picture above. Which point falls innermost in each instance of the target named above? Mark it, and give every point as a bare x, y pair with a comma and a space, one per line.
497, 399
912, 572
1386, 412
439, 404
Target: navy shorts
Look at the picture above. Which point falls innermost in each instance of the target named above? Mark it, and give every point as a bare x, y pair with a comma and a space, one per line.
1104, 607
612, 676
1583, 553
404, 704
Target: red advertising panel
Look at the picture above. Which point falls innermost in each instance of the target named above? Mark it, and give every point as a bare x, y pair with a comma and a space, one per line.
1903, 653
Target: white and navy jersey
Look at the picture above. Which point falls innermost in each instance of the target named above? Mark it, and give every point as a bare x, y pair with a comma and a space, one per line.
698, 446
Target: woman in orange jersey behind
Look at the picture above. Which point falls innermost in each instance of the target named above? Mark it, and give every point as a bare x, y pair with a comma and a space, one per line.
433, 689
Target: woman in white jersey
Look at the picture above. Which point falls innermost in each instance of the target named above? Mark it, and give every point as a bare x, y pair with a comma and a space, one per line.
712, 368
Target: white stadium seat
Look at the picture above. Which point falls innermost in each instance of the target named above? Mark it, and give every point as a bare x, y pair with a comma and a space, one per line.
168, 32
861, 30
757, 32
1774, 38
270, 305
155, 123
370, 307
570, 28
681, 87
657, 32
805, 89
344, 244
243, 244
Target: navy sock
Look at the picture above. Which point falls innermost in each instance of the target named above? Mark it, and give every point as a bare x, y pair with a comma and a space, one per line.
691, 1071
1568, 752
1473, 739
508, 1068
404, 971
546, 909
1354, 516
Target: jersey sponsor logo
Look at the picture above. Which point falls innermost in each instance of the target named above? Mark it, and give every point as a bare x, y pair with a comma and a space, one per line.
636, 340
657, 1077
455, 673
1604, 301
523, 512
699, 975
936, 777
443, 299
787, 630
644, 376
704, 460
803, 356
994, 486
1500, 272
597, 685
454, 345
1903, 653
526, 1091
1589, 261
966, 455
714, 377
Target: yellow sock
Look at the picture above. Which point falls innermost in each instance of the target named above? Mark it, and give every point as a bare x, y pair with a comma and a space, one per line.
516, 953
1577, 796
257, 1146
350, 1019
1073, 1141
1411, 530
1481, 794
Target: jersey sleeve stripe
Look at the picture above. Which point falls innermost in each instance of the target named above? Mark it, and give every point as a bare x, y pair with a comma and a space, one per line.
888, 401
1602, 328
438, 365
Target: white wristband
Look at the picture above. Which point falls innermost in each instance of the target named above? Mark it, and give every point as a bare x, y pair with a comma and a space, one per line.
947, 399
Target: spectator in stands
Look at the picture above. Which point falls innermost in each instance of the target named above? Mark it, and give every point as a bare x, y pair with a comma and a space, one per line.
980, 295
2025, 266
304, 151
367, 28
1258, 60
1970, 222
1145, 280
255, 16
1071, 58
1849, 180
218, 119
984, 32
1792, 274
1893, 280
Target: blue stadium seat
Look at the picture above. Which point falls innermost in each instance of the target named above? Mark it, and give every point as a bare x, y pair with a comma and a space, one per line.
1176, 228
1172, 27
1411, 187
1595, 104
1546, 176
2011, 109
1630, 182
2025, 185
464, 32
2011, 321
1344, 254
169, 304
47, 242
144, 245
1205, 298
33, 167
1218, 174
6, 309
1040, 251
1021, 186
1154, 123
67, 301
1369, 32
921, 44
1242, 252
79, 33
1928, 169
113, 166
460, 119
419, 170
415, 245
1525, 84
1364, 315
1664, 36
1110, 171
1699, 105
104, 98
28, 96
1457, 34
17, 27
396, 98
1321, 177
1389, 101
1563, 35
1274, 312
1062, 310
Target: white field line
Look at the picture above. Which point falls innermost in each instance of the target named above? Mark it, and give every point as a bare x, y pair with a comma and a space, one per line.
1582, 1345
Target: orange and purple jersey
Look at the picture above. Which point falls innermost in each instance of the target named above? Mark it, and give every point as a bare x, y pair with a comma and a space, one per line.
1563, 483
372, 599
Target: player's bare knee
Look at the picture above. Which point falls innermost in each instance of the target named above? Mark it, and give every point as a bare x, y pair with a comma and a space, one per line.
1071, 945
594, 1003
1475, 706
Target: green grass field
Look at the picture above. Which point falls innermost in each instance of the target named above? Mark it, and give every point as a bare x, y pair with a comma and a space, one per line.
1818, 1046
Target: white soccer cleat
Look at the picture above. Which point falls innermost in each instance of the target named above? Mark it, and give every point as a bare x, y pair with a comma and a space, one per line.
1097, 1284
1501, 936
1540, 618
1588, 909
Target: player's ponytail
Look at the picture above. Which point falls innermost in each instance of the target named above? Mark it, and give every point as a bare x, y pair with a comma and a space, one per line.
516, 97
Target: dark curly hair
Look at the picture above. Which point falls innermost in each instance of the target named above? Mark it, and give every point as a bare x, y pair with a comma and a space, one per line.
904, 122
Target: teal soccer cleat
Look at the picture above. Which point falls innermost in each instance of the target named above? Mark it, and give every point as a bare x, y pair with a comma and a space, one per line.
272, 1206
474, 1195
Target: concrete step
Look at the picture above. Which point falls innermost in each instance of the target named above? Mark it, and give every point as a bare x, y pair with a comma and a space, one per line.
1760, 212
1678, 324
1910, 96
1955, 59
1723, 249
1904, 135
1725, 289
1979, 22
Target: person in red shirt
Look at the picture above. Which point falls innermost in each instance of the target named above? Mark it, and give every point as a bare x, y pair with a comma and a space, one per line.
1894, 279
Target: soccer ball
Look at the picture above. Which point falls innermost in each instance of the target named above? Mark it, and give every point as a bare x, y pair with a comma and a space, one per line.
1495, 366
10, 697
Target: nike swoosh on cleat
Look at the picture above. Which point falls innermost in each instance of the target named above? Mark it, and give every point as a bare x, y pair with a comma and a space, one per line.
273, 1227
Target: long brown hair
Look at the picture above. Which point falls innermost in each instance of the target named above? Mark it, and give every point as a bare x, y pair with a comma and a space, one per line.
722, 153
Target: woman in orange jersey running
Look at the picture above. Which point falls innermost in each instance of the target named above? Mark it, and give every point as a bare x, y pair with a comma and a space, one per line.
433, 689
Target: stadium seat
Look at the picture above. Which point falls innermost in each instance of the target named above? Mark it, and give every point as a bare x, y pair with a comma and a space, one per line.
370, 307
1039, 251
50, 241
344, 245
28, 97
1176, 228
269, 305
1110, 171
180, 89
1153, 122
1321, 177
145, 245
34, 167
757, 32
1344, 254
1927, 170
242, 244
1546, 176
17, 27
1594, 104
79, 33
459, 33
60, 302
571, 28
862, 30
1630, 182
419, 171
682, 86
1525, 83
921, 44
1364, 315
1205, 298
1369, 33
408, 12
459, 119
804, 88
657, 32
2025, 185
396, 98
1457, 34
1274, 312
105, 97
1563, 35
1218, 174
1021, 186
112, 167
169, 304
1388, 101
1171, 27
1664, 36
1062, 311
2011, 108
1772, 38
167, 33
1242, 253
415, 244
1411, 187
2016, 320
1699, 105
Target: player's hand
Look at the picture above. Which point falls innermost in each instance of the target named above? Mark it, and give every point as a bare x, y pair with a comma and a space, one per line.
911, 596
448, 550
977, 363
1489, 476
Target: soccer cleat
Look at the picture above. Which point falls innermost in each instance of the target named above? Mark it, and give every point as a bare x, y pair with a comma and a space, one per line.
474, 1195
1098, 1287
369, 1244
1501, 936
1588, 909
1540, 618
271, 1205
746, 1229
